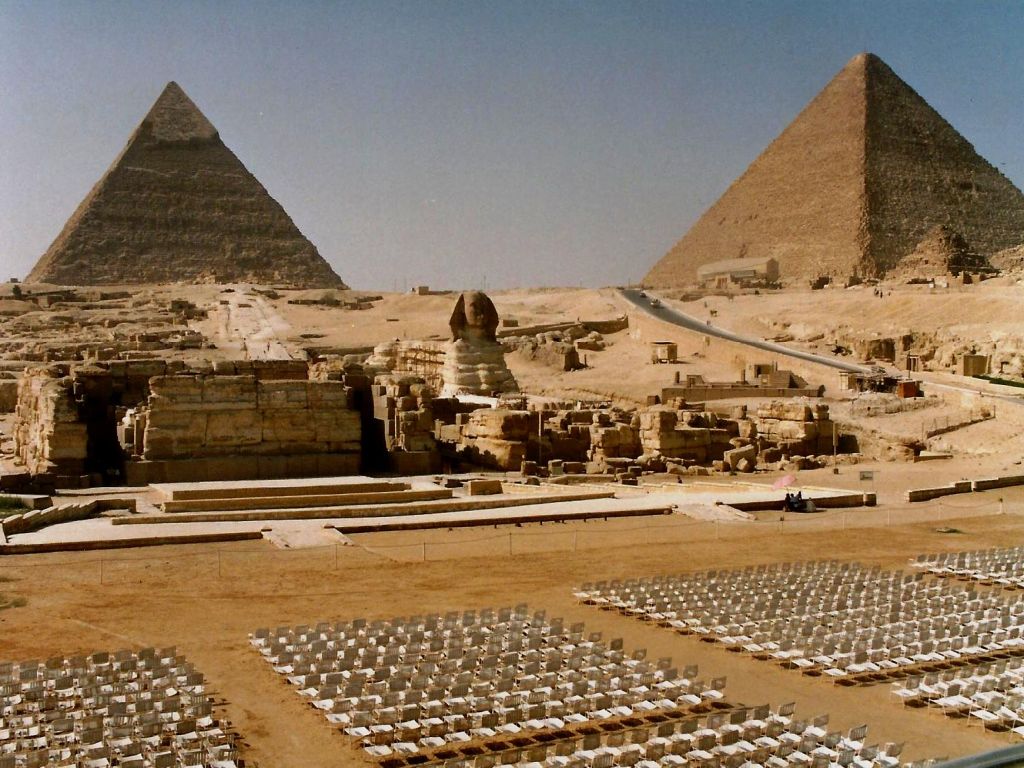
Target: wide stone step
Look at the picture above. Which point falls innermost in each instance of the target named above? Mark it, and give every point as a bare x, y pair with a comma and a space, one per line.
239, 489
293, 502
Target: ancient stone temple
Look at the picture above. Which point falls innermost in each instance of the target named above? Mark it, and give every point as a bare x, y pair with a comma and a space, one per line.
852, 186
178, 206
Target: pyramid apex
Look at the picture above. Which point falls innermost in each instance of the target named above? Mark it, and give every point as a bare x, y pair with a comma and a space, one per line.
175, 118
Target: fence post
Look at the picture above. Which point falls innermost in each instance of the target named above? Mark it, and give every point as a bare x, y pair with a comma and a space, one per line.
335, 557
424, 545
575, 533
510, 543
101, 570
218, 564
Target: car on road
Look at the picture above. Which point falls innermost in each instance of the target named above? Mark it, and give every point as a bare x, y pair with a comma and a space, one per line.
655, 303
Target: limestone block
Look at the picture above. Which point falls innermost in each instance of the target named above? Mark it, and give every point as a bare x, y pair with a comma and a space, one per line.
658, 420
500, 454
499, 423
179, 421
483, 487
230, 392
284, 426
338, 427
736, 455
283, 395
174, 387
328, 394
65, 441
789, 410
234, 427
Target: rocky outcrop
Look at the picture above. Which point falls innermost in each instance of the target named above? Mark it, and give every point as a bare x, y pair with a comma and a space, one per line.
851, 186
178, 206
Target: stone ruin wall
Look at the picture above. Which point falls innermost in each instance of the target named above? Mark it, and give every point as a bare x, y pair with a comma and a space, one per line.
162, 422
48, 437
422, 359
194, 416
664, 437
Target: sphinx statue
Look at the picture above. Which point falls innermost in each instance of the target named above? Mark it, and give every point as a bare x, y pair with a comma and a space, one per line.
474, 361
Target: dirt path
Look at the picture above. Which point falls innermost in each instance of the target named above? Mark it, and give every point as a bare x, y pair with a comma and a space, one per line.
246, 324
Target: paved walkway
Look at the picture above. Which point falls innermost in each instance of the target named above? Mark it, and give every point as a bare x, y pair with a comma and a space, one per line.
683, 320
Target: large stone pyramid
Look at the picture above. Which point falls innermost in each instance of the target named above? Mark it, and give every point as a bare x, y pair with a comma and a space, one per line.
852, 185
178, 206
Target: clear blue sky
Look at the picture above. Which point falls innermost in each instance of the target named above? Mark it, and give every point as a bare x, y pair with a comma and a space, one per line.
460, 144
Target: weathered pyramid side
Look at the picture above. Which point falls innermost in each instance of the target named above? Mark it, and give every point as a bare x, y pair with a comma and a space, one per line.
802, 201
178, 206
921, 173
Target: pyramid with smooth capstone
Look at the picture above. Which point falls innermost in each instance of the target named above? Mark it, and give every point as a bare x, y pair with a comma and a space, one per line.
178, 206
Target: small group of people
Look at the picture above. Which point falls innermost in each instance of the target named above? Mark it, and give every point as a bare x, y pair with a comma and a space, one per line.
795, 502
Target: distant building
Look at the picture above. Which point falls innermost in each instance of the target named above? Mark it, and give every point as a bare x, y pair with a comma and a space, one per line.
751, 271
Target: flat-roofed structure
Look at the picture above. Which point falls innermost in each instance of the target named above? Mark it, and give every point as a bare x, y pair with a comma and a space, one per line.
753, 270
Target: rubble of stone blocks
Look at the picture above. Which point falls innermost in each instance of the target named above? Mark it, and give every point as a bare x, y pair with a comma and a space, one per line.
404, 406
492, 437
682, 440
422, 359
680, 434
796, 427
75, 325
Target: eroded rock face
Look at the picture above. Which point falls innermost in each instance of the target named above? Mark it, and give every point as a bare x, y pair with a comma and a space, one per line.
178, 206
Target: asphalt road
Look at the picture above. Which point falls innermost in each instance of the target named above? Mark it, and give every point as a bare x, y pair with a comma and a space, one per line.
683, 320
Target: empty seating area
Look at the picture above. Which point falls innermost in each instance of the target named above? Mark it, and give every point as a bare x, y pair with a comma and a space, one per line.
447, 687
137, 710
990, 695
844, 621
995, 567
741, 737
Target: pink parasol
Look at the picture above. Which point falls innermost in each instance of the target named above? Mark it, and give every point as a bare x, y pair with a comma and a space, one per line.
784, 482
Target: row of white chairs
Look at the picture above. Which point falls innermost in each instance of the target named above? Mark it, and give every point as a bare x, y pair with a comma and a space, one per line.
145, 709
841, 620
754, 736
991, 695
1002, 567
418, 683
